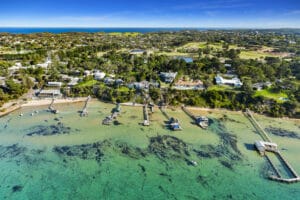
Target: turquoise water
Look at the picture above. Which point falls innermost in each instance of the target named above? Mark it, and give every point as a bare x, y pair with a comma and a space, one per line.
28, 30
64, 156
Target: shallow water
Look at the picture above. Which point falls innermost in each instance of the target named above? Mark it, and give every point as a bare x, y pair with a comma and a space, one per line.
69, 157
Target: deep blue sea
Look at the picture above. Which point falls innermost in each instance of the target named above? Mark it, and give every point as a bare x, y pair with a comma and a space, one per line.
89, 30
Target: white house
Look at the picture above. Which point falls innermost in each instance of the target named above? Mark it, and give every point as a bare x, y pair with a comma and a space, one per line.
54, 84
74, 81
99, 75
236, 82
168, 77
137, 52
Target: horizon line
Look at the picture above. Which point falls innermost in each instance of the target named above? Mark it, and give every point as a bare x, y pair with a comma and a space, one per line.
158, 27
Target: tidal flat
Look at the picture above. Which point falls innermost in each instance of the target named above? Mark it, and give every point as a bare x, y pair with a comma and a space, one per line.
65, 156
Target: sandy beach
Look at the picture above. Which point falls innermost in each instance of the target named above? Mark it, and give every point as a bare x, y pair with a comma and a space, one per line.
12, 106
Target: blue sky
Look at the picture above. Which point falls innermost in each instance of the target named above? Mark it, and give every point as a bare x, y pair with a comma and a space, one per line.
151, 13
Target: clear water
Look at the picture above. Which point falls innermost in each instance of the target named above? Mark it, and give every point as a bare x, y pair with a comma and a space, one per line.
129, 161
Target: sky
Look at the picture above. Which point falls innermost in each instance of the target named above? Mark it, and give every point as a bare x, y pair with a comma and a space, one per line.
151, 13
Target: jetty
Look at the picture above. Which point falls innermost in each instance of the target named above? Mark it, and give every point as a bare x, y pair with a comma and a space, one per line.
201, 121
114, 114
51, 107
84, 112
268, 146
146, 115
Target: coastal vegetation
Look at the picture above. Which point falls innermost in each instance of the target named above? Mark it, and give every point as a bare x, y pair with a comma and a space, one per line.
257, 57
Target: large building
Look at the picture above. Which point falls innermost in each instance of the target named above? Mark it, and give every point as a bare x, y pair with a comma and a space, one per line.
99, 75
168, 77
189, 85
236, 82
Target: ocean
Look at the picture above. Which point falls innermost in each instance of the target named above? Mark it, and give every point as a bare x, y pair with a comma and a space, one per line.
89, 30
65, 156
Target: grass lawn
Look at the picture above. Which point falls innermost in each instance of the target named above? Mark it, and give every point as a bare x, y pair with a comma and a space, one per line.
254, 55
220, 88
268, 93
175, 54
203, 45
87, 83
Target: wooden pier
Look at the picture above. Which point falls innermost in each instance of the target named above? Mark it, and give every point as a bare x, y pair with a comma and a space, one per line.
257, 126
84, 111
267, 139
51, 107
146, 115
201, 121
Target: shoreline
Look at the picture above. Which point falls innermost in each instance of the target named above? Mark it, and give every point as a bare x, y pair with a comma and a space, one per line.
39, 102
43, 102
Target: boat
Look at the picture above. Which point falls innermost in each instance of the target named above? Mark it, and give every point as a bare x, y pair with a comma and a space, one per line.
21, 115
174, 125
202, 121
107, 121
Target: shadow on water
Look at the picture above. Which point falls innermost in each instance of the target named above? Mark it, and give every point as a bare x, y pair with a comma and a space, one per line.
249, 147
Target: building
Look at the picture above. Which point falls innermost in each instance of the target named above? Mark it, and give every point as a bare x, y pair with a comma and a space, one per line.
263, 147
74, 81
99, 75
139, 85
168, 77
189, 85
2, 80
236, 82
54, 84
49, 94
260, 86
137, 52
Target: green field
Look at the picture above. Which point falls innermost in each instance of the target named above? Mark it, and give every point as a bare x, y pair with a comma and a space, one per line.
203, 45
88, 83
268, 93
254, 55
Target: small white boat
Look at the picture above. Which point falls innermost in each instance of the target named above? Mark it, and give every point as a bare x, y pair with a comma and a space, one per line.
21, 115
194, 162
31, 114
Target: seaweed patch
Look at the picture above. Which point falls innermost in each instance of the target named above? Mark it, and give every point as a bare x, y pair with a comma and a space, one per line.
42, 130
17, 188
92, 151
282, 132
226, 151
168, 147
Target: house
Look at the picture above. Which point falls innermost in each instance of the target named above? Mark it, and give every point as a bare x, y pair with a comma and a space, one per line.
227, 65
189, 85
137, 52
186, 59
74, 81
261, 85
109, 81
99, 75
236, 82
87, 73
139, 85
168, 77
49, 94
263, 147
54, 84
2, 80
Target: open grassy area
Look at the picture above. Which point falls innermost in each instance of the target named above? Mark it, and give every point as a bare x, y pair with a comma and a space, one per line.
202, 45
128, 34
221, 88
87, 83
268, 93
176, 54
254, 55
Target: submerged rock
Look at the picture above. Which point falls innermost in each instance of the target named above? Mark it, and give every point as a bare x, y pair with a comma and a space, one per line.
282, 132
43, 130
92, 151
17, 188
168, 147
